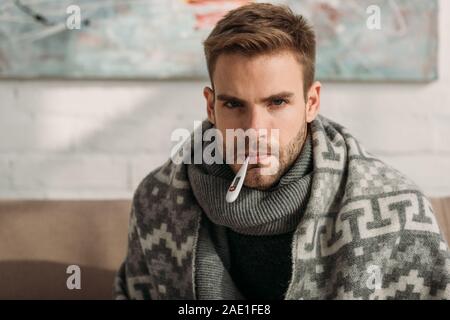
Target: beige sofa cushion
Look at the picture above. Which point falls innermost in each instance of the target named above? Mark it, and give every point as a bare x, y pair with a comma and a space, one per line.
40, 239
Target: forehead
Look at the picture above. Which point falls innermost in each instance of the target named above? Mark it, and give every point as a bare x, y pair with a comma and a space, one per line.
242, 75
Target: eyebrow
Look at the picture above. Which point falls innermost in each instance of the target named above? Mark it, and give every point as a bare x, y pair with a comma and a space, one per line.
283, 94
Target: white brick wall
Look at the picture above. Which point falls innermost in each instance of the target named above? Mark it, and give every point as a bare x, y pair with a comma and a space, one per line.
92, 139
88, 139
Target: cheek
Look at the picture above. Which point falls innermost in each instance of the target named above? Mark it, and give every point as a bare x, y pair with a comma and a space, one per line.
284, 144
289, 131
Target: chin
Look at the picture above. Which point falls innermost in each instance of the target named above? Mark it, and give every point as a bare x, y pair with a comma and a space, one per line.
258, 181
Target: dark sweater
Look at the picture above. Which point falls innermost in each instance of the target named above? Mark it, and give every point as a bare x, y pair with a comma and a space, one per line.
261, 266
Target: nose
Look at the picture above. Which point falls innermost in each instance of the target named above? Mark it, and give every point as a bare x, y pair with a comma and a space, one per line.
258, 121
256, 118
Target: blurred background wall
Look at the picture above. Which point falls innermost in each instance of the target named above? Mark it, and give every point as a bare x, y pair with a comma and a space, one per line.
98, 139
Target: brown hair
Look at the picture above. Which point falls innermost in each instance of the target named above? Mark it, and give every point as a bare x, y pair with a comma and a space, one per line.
259, 28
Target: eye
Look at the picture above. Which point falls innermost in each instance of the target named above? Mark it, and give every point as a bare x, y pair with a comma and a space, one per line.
278, 102
232, 104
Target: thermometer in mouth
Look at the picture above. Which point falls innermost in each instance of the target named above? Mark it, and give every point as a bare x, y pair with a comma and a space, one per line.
238, 181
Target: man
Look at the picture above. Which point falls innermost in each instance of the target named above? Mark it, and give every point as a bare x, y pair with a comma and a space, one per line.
330, 222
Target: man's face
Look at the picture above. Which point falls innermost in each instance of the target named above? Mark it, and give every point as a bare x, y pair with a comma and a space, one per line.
262, 92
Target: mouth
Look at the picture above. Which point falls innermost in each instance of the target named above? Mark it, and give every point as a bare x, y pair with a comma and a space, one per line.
257, 161
254, 157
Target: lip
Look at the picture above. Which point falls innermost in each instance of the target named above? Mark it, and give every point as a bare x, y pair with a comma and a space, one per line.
255, 158
258, 158
252, 154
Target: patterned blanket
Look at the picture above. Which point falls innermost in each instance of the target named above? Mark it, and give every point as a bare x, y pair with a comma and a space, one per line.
367, 232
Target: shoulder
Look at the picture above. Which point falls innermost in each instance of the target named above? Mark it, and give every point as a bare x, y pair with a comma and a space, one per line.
152, 189
386, 202
160, 189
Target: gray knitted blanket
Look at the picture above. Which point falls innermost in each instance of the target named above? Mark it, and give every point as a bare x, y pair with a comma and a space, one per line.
367, 232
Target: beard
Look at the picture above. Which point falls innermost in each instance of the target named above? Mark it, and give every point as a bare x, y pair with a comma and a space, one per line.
287, 156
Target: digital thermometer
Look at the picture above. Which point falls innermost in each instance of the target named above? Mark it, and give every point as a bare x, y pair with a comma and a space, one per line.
238, 181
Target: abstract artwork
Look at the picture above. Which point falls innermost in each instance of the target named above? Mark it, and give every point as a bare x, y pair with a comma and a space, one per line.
162, 39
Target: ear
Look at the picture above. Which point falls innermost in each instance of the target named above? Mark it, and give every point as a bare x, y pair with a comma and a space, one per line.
208, 93
313, 101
